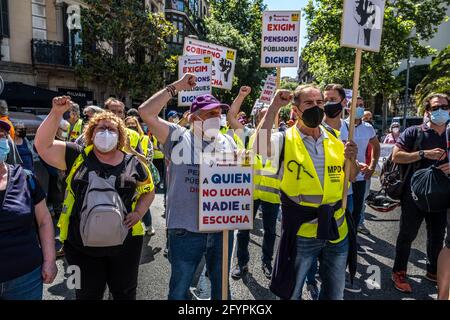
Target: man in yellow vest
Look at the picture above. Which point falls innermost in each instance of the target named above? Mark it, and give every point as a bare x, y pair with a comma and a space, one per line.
76, 123
266, 194
118, 108
311, 172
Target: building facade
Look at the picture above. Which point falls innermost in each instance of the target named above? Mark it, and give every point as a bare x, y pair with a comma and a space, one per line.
38, 41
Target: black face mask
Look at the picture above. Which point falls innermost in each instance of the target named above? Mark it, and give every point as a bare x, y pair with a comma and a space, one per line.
332, 109
312, 117
133, 128
22, 133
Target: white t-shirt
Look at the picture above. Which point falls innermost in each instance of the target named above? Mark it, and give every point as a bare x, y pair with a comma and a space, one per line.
363, 134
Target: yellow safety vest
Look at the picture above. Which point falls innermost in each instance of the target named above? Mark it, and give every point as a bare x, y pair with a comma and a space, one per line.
265, 178
157, 154
144, 144
69, 200
76, 130
134, 138
300, 179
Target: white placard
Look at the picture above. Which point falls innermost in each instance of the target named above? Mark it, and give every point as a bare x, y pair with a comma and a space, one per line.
226, 193
348, 94
385, 152
269, 89
362, 24
223, 60
280, 39
202, 68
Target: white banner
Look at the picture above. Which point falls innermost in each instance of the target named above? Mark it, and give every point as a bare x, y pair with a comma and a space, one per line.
269, 89
280, 39
226, 193
223, 60
202, 68
362, 24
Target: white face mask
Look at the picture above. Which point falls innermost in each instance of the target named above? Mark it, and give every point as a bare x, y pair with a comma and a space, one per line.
64, 134
211, 128
105, 141
395, 130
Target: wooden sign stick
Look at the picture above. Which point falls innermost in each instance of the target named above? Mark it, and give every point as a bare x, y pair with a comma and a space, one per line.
225, 265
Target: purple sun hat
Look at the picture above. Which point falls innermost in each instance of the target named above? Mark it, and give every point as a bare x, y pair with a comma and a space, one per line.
207, 102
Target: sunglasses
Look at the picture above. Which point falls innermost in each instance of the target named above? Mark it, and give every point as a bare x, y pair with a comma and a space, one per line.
443, 107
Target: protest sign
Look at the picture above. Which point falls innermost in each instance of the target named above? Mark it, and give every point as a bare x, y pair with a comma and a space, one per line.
269, 89
226, 193
385, 152
280, 39
202, 68
348, 94
223, 60
362, 24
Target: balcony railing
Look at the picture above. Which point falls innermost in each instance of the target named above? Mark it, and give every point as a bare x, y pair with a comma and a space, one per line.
52, 53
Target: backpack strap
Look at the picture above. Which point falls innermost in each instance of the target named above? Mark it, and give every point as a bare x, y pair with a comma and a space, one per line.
329, 129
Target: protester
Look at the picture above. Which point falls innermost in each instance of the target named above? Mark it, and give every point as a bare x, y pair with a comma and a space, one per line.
443, 270
187, 245
24, 147
363, 136
101, 230
394, 133
27, 250
4, 116
314, 225
431, 151
266, 195
368, 117
76, 123
172, 117
90, 111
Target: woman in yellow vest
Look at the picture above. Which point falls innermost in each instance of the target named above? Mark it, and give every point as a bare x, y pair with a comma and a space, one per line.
314, 225
107, 252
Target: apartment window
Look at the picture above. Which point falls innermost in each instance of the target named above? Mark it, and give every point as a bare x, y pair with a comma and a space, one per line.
4, 19
39, 21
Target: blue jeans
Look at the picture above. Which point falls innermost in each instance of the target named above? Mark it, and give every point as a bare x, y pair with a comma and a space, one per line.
270, 214
311, 276
333, 262
26, 287
147, 219
186, 250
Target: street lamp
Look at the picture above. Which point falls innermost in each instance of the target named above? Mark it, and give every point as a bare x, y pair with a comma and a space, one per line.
411, 35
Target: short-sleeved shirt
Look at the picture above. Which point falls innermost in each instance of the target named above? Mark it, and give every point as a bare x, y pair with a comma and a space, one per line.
125, 185
364, 132
431, 140
183, 179
20, 252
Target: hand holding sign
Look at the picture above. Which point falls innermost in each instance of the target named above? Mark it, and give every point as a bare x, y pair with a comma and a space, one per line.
245, 91
281, 99
186, 83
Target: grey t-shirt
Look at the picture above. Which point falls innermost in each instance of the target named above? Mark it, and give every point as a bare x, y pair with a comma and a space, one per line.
183, 175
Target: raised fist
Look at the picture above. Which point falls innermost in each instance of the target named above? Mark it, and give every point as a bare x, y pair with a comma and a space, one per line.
281, 99
61, 104
188, 82
245, 91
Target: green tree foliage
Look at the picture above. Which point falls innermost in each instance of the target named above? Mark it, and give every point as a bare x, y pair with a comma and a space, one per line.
438, 77
122, 45
237, 24
329, 62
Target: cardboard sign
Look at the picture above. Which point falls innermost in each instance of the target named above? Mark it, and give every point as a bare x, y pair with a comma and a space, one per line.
202, 68
385, 152
223, 60
362, 24
226, 193
280, 39
269, 89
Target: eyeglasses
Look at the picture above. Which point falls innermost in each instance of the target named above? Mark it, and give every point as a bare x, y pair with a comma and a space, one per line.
442, 106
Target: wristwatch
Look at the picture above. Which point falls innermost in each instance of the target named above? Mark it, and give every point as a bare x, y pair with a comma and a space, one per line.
421, 154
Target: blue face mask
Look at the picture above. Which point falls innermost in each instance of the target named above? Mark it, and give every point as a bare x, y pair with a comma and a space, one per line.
439, 117
4, 149
359, 112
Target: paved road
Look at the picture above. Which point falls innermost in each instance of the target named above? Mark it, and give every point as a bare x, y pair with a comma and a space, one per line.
380, 247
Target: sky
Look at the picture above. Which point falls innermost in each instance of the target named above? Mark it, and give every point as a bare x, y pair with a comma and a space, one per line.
290, 5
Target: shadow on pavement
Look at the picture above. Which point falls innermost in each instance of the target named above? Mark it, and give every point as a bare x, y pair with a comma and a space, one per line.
258, 292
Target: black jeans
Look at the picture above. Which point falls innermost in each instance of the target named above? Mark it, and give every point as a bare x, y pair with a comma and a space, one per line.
410, 221
359, 189
119, 271
270, 214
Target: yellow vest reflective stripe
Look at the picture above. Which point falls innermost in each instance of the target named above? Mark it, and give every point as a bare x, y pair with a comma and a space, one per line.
76, 130
144, 144
265, 178
302, 185
157, 154
69, 199
134, 138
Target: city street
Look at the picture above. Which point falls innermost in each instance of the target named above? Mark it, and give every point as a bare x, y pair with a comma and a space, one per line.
380, 247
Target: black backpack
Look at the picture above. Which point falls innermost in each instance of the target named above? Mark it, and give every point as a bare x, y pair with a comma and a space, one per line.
393, 175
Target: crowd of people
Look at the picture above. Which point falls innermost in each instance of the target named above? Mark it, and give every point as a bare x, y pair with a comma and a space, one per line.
104, 169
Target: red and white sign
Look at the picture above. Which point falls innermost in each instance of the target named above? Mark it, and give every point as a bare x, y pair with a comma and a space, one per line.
202, 68
226, 193
223, 60
269, 89
280, 39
